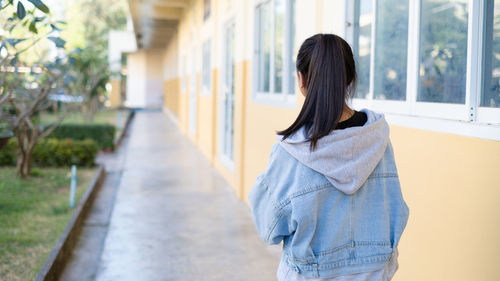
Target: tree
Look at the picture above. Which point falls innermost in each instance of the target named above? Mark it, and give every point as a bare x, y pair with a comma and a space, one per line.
25, 93
89, 24
27, 96
92, 75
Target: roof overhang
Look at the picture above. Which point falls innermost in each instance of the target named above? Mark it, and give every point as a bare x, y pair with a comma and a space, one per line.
155, 21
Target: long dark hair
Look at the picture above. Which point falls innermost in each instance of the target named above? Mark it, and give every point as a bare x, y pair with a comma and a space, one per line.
327, 64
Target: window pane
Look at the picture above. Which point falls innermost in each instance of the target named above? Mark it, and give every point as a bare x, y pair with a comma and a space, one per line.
279, 19
443, 51
491, 82
391, 45
206, 67
183, 74
363, 51
291, 45
206, 9
264, 47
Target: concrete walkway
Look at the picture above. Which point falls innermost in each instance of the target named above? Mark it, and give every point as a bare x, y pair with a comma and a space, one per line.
175, 218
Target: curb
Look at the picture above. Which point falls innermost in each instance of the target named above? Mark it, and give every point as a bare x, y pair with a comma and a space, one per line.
54, 264
117, 143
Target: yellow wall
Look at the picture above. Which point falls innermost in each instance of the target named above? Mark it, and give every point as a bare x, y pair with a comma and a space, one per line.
206, 120
172, 95
115, 98
451, 183
183, 108
452, 187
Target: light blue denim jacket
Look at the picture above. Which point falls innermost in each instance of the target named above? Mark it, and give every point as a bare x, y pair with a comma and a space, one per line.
338, 210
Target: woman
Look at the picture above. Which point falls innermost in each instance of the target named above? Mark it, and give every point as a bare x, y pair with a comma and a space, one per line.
331, 191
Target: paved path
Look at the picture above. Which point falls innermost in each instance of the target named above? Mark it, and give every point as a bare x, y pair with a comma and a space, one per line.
85, 258
175, 218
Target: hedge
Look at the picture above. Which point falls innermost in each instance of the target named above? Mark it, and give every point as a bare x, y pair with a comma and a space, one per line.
54, 153
102, 134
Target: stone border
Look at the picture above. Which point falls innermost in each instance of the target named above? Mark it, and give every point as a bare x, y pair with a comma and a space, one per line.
56, 261
117, 142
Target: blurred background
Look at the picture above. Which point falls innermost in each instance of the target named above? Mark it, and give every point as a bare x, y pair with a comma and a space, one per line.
224, 72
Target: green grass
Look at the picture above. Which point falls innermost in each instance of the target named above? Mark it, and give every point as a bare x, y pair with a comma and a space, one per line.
108, 116
33, 213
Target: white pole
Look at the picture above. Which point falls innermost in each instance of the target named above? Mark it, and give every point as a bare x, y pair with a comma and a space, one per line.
72, 189
119, 118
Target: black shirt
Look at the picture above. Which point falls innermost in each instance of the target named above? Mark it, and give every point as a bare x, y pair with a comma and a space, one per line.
358, 119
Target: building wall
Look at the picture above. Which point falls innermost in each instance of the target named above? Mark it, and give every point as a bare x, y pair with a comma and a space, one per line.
450, 182
154, 79
115, 95
451, 186
136, 84
145, 79
171, 86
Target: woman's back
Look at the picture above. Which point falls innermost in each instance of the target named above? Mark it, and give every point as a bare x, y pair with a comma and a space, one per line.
338, 209
331, 195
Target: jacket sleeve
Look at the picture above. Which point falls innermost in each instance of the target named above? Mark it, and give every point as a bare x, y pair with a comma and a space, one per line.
272, 222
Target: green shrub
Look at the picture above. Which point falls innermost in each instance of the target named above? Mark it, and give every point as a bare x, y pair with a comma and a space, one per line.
54, 153
102, 134
8, 153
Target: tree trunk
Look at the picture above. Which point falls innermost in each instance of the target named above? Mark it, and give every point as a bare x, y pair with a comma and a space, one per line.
26, 143
23, 167
20, 163
26, 165
85, 111
94, 107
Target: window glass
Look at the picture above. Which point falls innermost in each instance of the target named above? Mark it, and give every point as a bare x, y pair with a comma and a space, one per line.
363, 51
274, 47
443, 51
206, 69
291, 44
279, 19
491, 62
264, 46
183, 74
391, 47
206, 9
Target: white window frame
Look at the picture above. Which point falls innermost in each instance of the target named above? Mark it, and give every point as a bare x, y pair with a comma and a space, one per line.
193, 95
206, 86
183, 74
225, 159
288, 97
483, 114
207, 12
474, 120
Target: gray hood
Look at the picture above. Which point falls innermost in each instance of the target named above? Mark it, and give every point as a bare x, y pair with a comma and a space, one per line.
346, 157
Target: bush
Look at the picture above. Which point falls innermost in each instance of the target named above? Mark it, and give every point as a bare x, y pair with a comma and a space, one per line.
102, 134
8, 153
54, 153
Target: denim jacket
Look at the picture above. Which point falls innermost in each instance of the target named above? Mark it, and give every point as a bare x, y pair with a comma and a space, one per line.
339, 209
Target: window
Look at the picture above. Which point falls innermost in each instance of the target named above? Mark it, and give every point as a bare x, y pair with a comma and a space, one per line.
206, 9
183, 74
227, 99
443, 51
491, 61
428, 58
206, 77
274, 73
390, 50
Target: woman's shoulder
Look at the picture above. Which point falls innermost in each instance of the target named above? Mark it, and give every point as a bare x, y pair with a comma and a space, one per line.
285, 170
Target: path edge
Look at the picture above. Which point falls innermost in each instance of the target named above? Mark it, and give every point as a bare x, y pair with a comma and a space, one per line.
54, 264
123, 133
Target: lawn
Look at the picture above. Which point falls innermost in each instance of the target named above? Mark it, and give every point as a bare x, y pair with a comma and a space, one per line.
33, 213
110, 116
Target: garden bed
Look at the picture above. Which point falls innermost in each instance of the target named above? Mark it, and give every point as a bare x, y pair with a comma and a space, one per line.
108, 116
33, 214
